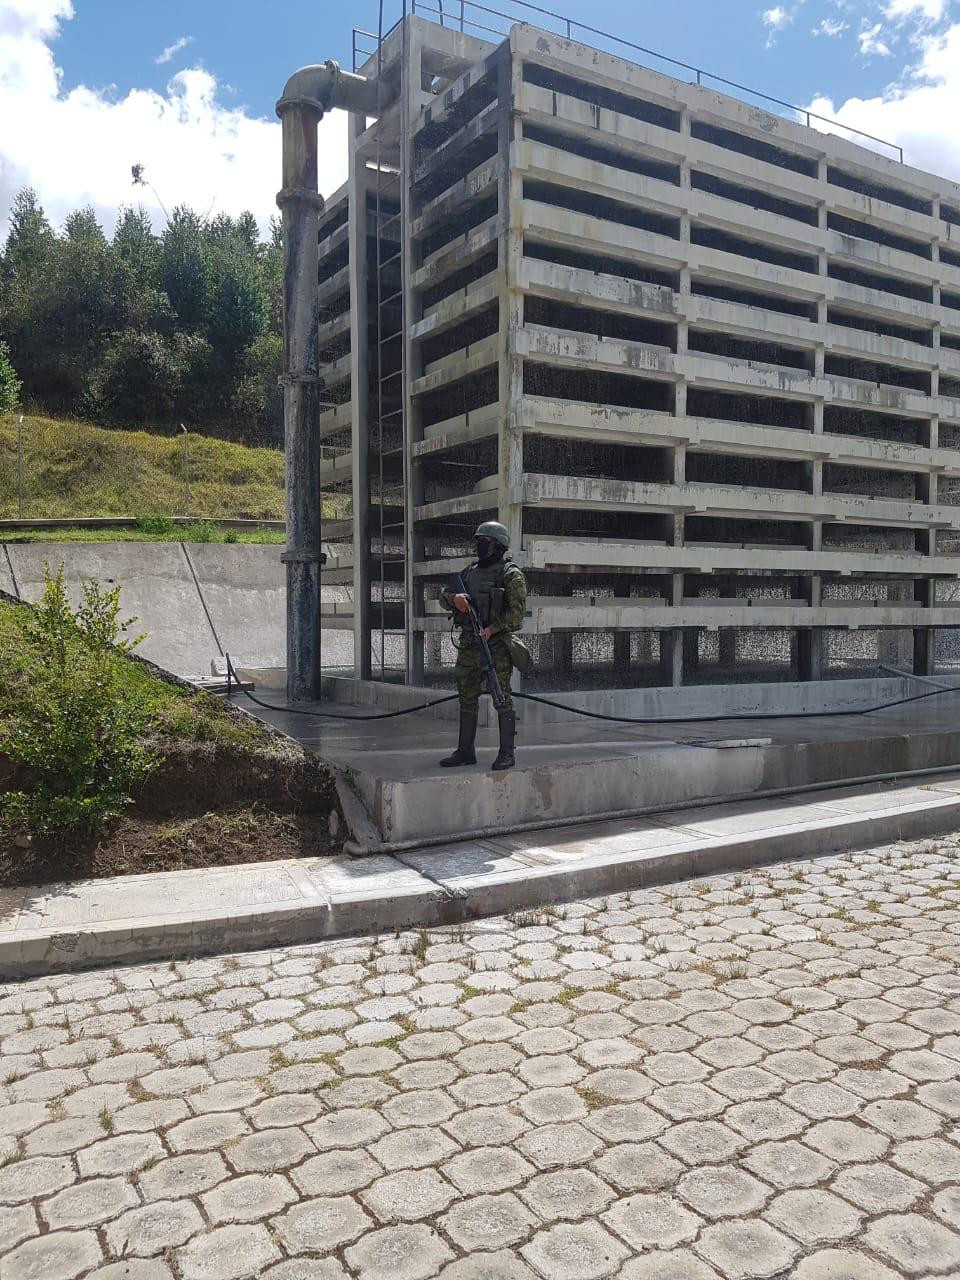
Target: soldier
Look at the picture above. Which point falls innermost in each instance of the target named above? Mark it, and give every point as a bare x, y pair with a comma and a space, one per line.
498, 591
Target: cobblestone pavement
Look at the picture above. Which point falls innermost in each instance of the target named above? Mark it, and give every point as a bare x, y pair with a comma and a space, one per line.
745, 1076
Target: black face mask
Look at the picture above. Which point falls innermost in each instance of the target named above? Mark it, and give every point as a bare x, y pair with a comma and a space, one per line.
488, 550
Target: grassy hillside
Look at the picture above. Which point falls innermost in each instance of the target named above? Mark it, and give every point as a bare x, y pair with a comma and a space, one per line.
73, 469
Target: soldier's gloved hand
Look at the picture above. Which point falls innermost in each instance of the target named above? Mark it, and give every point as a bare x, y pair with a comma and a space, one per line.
461, 602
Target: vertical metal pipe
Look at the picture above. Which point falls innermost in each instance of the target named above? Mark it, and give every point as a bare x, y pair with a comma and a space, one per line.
300, 203
186, 470
20, 466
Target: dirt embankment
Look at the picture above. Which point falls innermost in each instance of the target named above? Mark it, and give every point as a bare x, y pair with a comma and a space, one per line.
205, 805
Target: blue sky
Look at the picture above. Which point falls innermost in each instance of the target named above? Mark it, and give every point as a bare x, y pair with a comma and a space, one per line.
114, 44
187, 87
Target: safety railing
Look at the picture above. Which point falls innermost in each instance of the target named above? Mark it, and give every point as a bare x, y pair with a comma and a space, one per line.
473, 16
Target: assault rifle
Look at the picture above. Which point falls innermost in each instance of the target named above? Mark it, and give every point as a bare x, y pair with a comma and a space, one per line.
458, 587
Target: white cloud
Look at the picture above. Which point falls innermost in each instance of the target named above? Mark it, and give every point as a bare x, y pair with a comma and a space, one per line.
830, 27
927, 10
172, 50
919, 111
775, 20
871, 42
77, 148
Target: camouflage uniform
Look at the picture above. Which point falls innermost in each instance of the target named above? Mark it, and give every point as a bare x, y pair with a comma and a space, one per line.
470, 676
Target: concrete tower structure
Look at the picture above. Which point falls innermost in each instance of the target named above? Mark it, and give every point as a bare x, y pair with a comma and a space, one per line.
703, 362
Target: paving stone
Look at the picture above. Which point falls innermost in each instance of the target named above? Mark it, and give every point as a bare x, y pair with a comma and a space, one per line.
722, 1191
398, 1253
687, 1101
122, 1155
408, 1196
249, 1198
153, 1228
675, 1264
841, 1264
652, 1221
552, 1105
349, 1127
487, 1169
60, 1255
845, 1142
822, 1101
227, 1253
286, 1109
487, 1126
917, 1245
631, 1121
269, 1149
813, 1217
931, 1159
26, 1180
62, 1137
207, 1133
322, 1225
787, 1164
566, 1193
419, 1107
559, 1144
182, 1176
637, 1166
306, 1269
412, 1148
137, 1269
946, 1205
17, 1224
900, 1118
89, 1203
502, 1265
696, 1143
335, 1172
743, 1249
575, 1252
616, 1084
488, 1223
878, 1188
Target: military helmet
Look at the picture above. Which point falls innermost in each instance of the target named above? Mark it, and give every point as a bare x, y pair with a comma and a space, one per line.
496, 532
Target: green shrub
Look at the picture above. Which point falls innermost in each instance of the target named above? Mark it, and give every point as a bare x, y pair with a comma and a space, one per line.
9, 382
155, 526
72, 720
231, 536
200, 531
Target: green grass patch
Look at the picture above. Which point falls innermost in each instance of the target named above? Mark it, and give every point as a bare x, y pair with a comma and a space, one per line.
74, 469
196, 531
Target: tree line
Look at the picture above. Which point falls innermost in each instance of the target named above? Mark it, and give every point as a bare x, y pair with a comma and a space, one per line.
145, 329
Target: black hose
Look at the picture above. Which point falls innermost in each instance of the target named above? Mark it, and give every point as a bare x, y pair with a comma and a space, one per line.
743, 715
333, 715
599, 715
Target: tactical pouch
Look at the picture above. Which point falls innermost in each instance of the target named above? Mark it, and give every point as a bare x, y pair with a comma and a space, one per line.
496, 604
520, 655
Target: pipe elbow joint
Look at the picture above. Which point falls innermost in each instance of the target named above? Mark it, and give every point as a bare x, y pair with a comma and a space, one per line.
324, 86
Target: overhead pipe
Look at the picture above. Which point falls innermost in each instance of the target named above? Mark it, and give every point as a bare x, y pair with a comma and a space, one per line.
307, 96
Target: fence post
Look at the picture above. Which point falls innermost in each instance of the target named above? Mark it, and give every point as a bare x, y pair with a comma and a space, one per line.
20, 467
186, 470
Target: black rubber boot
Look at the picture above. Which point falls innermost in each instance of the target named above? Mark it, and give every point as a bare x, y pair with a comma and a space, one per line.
508, 736
465, 753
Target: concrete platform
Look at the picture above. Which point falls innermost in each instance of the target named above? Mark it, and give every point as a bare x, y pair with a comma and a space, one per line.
257, 905
582, 769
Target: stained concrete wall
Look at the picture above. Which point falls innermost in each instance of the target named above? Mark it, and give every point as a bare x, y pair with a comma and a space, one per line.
192, 602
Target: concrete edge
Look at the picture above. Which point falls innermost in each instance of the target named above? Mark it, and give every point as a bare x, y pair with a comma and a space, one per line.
430, 903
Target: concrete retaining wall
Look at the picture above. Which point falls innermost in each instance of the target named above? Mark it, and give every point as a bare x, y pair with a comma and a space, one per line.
192, 601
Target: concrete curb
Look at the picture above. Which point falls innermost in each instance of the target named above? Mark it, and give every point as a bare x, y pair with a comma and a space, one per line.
443, 887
